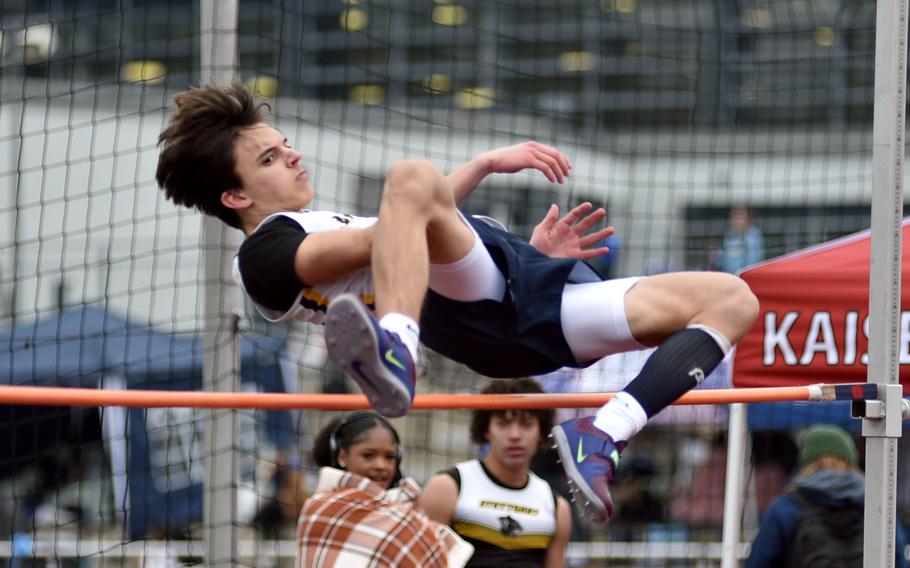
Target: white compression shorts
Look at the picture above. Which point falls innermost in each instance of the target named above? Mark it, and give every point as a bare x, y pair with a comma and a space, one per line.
594, 319
474, 277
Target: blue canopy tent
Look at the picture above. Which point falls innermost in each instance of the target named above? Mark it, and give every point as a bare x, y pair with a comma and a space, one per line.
793, 415
88, 346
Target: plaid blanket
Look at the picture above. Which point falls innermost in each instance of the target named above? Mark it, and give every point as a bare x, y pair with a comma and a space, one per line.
351, 522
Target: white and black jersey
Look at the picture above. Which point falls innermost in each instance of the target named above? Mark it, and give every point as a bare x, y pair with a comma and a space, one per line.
508, 526
264, 267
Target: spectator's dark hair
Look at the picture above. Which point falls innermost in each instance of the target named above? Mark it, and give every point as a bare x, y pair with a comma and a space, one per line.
480, 419
196, 163
344, 431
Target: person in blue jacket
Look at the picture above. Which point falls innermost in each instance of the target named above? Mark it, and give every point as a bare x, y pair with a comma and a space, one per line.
744, 243
829, 476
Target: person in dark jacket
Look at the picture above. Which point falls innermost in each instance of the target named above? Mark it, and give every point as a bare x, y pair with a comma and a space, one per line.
829, 476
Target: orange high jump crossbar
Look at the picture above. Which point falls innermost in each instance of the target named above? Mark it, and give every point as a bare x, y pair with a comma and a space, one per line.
65, 396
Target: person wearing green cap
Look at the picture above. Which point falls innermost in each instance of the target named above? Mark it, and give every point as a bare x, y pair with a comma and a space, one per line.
821, 514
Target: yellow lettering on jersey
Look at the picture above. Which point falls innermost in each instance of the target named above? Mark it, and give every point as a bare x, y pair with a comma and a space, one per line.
487, 504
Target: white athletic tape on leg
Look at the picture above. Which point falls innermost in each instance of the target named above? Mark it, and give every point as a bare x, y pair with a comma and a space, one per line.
725, 345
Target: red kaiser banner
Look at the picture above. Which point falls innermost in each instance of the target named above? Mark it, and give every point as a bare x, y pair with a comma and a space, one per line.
813, 325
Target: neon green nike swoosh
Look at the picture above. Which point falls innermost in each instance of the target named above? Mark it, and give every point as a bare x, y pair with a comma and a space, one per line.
579, 455
614, 455
390, 357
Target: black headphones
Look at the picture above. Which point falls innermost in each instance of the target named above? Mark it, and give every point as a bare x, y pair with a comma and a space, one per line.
357, 416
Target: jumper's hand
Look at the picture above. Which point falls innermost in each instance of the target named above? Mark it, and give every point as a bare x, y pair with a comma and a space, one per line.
529, 155
566, 238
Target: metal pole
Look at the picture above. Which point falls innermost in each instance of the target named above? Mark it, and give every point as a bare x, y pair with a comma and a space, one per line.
221, 362
733, 486
16, 158
885, 279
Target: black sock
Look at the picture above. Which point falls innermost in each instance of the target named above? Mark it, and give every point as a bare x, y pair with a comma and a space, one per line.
673, 369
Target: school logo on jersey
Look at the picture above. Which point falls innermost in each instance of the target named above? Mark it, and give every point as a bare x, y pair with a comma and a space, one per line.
509, 526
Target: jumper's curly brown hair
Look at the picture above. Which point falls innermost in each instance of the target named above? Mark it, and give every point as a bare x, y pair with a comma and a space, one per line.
196, 163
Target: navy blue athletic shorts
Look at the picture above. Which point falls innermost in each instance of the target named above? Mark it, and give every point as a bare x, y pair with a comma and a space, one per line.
520, 335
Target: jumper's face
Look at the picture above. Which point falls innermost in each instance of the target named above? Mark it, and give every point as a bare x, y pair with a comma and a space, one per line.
514, 438
273, 178
375, 456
